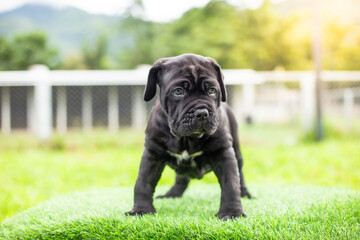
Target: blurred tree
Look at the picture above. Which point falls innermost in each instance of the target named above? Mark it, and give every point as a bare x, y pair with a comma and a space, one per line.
259, 39
237, 38
351, 54
209, 31
25, 50
143, 36
5, 54
141, 50
95, 58
265, 41
341, 46
73, 62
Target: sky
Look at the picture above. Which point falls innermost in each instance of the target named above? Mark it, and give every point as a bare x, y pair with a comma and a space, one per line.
155, 10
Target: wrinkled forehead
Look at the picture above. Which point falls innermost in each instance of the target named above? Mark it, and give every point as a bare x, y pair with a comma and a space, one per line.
183, 70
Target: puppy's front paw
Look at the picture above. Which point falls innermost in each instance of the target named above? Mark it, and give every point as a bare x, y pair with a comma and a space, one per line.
230, 214
141, 211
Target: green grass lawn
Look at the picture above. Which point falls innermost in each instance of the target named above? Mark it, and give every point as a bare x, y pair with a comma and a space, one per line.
32, 172
278, 212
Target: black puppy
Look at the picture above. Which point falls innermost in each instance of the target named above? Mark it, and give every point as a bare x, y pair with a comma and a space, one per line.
191, 131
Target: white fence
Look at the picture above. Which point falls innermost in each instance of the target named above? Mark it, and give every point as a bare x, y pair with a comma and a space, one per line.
252, 95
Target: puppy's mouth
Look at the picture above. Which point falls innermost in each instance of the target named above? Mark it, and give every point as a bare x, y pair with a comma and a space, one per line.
193, 125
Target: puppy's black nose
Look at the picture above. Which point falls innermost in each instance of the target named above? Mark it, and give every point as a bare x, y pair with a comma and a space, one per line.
201, 114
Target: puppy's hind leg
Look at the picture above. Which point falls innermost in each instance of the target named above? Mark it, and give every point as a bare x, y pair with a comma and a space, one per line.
236, 145
243, 189
178, 189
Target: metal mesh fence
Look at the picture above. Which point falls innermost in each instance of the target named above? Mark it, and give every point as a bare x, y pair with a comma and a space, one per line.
342, 98
277, 103
93, 106
17, 107
98, 100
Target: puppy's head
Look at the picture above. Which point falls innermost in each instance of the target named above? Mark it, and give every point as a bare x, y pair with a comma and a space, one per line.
191, 89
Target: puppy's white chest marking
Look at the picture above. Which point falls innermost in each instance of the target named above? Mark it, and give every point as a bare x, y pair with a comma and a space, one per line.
184, 157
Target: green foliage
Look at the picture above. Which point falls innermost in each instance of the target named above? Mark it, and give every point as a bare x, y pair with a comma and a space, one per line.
73, 62
25, 50
95, 58
207, 31
258, 39
141, 50
5, 54
278, 212
341, 46
262, 39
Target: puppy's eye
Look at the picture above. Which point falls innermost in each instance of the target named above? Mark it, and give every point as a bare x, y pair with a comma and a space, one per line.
211, 91
178, 91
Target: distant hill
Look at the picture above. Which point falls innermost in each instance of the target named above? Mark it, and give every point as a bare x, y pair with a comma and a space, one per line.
68, 28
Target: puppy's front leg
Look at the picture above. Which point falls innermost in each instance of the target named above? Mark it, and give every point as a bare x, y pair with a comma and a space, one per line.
226, 169
149, 175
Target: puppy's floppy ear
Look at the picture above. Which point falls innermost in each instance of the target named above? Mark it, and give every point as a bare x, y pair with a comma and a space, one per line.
153, 79
220, 78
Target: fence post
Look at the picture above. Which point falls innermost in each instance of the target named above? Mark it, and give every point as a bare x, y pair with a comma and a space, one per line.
307, 101
42, 102
138, 108
86, 108
113, 111
348, 108
5, 111
248, 102
61, 110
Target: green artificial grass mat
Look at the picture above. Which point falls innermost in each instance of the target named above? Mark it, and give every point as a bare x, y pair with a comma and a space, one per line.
277, 212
